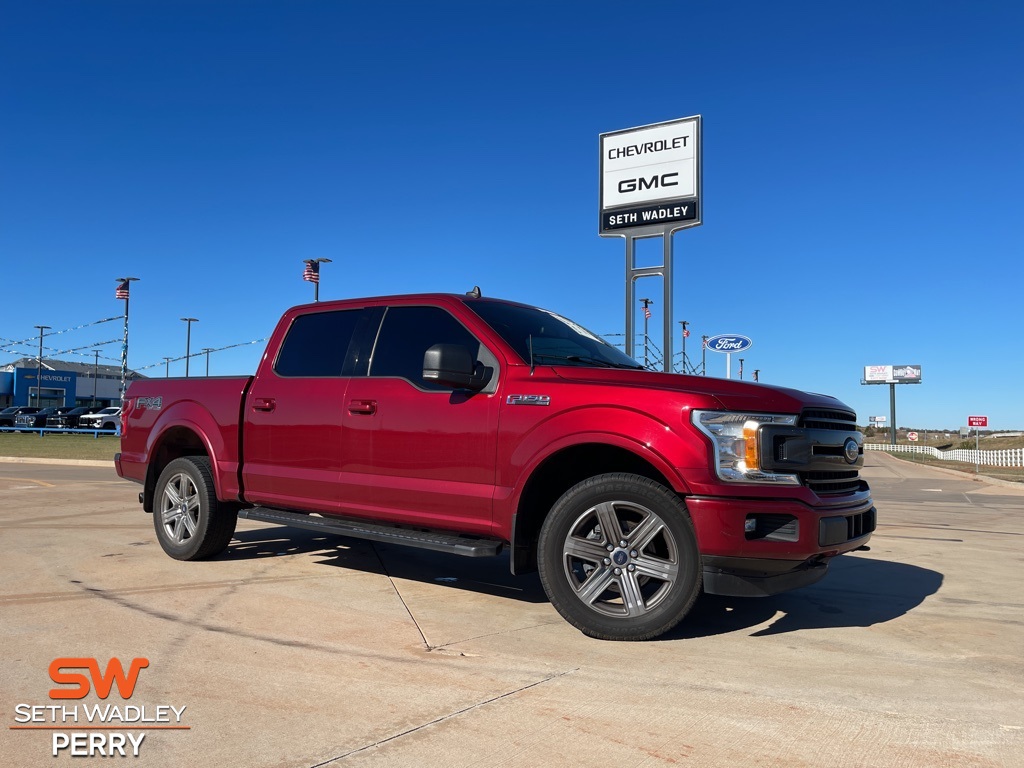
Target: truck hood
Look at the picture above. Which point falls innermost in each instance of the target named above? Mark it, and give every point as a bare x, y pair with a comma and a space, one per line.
731, 394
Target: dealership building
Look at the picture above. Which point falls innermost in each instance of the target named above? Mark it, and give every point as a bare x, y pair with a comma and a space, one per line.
59, 382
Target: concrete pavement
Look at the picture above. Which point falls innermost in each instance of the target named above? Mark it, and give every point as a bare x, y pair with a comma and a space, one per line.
294, 649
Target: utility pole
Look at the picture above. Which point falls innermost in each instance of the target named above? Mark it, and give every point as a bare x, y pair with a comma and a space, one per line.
207, 350
188, 340
167, 367
39, 366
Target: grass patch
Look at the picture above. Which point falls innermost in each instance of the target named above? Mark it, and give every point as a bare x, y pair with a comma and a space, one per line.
29, 445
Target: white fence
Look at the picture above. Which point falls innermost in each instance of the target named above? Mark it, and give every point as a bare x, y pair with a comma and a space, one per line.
1013, 457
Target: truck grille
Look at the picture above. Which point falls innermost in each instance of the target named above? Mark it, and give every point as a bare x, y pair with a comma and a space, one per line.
830, 483
821, 419
824, 483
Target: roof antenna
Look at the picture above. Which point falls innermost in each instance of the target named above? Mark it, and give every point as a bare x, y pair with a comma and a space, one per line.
475, 293
531, 354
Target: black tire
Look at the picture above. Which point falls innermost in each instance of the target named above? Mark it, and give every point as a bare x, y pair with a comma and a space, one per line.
190, 523
652, 557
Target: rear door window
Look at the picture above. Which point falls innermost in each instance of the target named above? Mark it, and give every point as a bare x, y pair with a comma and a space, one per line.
317, 344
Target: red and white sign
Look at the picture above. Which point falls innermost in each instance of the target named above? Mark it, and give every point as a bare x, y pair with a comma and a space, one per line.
912, 436
977, 421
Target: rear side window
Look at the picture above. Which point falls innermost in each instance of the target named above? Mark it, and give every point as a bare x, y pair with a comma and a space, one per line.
317, 344
407, 333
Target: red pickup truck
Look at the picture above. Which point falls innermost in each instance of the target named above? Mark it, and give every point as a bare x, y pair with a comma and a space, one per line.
470, 425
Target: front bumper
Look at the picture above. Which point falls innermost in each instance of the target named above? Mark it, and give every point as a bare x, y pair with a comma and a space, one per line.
762, 547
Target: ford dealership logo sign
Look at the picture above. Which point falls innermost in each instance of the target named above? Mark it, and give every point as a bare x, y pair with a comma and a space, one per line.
729, 342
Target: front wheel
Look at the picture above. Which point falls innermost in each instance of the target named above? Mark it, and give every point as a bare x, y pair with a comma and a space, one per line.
618, 558
191, 524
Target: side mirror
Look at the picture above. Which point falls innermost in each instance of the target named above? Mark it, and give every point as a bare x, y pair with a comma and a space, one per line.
453, 366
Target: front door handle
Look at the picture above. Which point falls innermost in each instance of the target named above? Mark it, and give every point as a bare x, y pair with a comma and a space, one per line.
266, 404
363, 407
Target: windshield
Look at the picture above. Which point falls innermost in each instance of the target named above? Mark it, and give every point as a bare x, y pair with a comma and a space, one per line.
554, 339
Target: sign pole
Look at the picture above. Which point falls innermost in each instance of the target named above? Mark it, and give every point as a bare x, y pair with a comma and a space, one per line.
650, 186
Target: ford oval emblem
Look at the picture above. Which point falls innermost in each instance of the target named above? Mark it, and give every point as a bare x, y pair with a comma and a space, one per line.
851, 451
729, 342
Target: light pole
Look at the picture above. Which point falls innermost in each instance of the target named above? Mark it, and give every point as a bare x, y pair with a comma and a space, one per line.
95, 374
167, 367
757, 373
647, 316
207, 350
39, 366
741, 369
312, 274
188, 339
122, 292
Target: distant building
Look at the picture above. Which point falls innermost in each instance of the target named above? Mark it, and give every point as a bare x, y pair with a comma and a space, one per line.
63, 383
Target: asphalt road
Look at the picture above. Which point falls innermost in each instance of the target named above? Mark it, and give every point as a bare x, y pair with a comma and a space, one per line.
297, 650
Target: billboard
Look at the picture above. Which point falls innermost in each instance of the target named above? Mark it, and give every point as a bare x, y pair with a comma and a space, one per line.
651, 175
892, 374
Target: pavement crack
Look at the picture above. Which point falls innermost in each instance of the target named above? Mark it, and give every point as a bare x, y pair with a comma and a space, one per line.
408, 610
443, 718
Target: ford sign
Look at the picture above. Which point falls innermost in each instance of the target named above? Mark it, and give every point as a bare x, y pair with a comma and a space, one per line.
729, 342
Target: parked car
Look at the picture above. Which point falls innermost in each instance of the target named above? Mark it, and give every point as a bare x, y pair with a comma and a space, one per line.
8, 415
70, 419
107, 418
38, 418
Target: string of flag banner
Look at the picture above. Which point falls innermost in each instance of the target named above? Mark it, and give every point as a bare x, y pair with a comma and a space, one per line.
199, 354
34, 339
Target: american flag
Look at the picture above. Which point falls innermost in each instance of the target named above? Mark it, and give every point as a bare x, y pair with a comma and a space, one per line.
647, 312
311, 273
122, 290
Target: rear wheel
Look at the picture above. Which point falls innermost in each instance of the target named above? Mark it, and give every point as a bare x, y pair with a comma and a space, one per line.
190, 523
618, 558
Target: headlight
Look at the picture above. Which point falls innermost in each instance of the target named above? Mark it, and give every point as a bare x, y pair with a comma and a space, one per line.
736, 441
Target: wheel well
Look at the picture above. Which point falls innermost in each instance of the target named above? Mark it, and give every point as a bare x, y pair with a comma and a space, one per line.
555, 476
175, 443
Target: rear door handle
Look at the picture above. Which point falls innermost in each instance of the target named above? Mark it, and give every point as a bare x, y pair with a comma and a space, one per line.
266, 404
365, 407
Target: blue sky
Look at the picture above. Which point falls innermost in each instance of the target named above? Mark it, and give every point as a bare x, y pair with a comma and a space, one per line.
862, 175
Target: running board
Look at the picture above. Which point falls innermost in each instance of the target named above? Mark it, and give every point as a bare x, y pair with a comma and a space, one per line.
439, 541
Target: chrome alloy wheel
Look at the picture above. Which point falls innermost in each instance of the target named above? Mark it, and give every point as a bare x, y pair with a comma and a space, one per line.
621, 559
179, 508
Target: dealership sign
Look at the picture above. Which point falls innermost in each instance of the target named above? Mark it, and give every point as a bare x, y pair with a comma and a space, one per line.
892, 374
728, 342
651, 175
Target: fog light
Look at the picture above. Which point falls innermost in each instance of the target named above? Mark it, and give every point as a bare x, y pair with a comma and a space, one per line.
750, 525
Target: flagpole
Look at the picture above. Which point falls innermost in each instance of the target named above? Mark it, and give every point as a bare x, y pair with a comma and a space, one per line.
124, 286
312, 274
